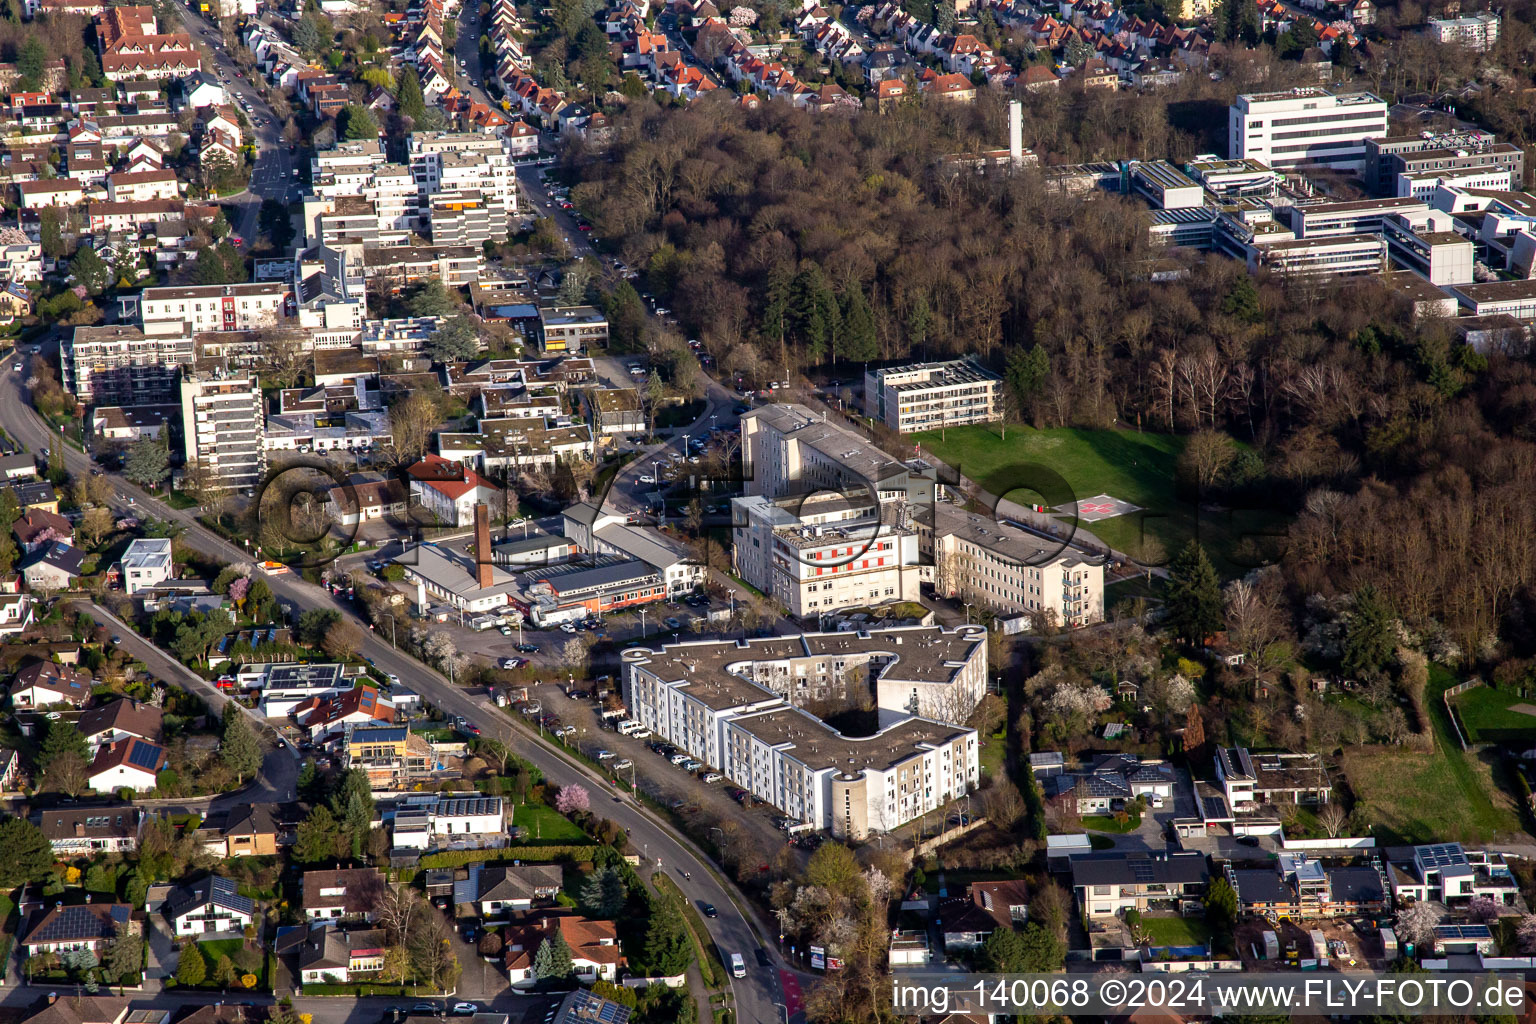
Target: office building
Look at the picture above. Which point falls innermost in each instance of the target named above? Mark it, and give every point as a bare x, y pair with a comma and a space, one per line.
1321, 257
222, 426
1390, 156
1306, 128
788, 449
1165, 186
926, 396
572, 329
1363, 217
1434, 251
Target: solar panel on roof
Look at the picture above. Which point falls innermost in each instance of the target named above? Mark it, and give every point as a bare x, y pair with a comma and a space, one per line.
1141, 870
144, 755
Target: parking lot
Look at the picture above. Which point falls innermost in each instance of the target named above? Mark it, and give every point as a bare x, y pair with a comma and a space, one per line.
749, 829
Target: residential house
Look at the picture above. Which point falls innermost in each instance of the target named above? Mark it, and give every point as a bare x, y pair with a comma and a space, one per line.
594, 945
1258, 780
211, 906
1449, 873
249, 830
146, 564
361, 705
35, 494
128, 764
615, 411
78, 1009
450, 491
987, 906
10, 769
84, 926
122, 719
43, 684
37, 529
15, 301
505, 888
1107, 884
352, 504
85, 831
15, 613
347, 894
54, 567
1109, 783
331, 955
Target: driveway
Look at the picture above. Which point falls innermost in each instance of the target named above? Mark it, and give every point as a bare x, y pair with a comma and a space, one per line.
1152, 833
162, 954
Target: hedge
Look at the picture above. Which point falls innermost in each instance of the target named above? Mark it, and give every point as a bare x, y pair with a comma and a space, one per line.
460, 858
367, 989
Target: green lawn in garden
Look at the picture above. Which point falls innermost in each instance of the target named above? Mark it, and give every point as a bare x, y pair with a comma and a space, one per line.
1485, 714
1176, 931
546, 823
1059, 465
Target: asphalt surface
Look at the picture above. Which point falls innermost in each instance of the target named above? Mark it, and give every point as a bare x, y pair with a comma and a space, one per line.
271, 177
732, 931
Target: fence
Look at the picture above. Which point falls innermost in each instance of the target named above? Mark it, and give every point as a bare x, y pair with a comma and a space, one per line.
1450, 710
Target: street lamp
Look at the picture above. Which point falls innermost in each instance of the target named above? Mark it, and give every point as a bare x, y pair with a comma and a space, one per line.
785, 1008
642, 623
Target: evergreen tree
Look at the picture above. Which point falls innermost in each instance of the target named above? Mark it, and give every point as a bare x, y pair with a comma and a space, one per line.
408, 98
91, 270
50, 222
778, 291
356, 122
62, 738
353, 807
1370, 636
1220, 903
1044, 952
553, 959
1242, 300
191, 967
1002, 953
31, 62
25, 853
602, 894
1193, 596
125, 957
858, 338
1026, 373
944, 16
457, 339
223, 971
667, 951
148, 463
239, 749
318, 837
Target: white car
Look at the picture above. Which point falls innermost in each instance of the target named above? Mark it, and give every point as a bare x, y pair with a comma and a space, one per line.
604, 755
679, 759
533, 707
713, 777
620, 766
565, 730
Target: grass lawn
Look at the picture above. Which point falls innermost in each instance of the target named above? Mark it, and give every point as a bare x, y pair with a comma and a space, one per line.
1106, 823
546, 823
1136, 467
994, 751
215, 948
1176, 931
1485, 714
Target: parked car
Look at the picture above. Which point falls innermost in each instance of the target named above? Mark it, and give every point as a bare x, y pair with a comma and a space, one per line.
692, 766
623, 765
679, 759
604, 755
465, 1009
506, 630
713, 777
526, 648
672, 623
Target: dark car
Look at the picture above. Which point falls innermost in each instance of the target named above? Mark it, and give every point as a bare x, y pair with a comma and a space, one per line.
709, 910
527, 648
762, 958
431, 1008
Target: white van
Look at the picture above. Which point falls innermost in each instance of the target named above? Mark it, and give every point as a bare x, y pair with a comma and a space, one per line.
738, 966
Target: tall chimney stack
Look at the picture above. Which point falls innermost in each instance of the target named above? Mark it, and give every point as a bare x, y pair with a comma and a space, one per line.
483, 545
1016, 133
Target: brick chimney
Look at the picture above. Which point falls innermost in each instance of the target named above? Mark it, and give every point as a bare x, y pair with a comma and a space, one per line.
483, 545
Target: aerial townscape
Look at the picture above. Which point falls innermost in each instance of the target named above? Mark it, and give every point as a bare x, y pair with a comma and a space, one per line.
655, 513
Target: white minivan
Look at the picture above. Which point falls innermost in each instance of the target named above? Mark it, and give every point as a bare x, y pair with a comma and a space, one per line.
738, 966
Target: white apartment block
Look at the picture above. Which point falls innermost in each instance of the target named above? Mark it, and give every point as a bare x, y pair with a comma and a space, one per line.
222, 426
818, 553
1306, 128
1433, 250
1321, 257
461, 163
122, 364
926, 396
1477, 32
998, 566
724, 703
348, 164
1360, 217
217, 307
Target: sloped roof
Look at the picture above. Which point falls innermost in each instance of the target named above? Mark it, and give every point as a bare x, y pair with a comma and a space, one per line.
219, 892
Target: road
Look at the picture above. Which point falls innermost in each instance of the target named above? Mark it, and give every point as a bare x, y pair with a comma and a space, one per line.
271, 177
754, 995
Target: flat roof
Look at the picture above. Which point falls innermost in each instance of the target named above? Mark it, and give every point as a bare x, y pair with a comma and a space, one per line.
1005, 539
818, 746
1495, 291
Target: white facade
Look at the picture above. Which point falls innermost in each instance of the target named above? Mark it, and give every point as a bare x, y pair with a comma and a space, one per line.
823, 553
998, 566
216, 307
465, 816
1477, 32
720, 702
1306, 127
926, 396
222, 427
146, 563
